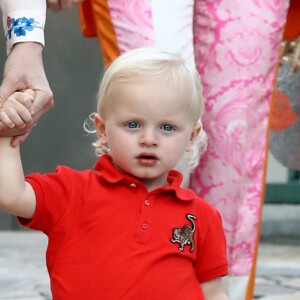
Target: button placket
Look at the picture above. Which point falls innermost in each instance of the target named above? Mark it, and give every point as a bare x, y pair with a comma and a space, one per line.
144, 229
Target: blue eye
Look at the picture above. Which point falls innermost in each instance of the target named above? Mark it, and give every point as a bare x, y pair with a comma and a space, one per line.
167, 127
133, 125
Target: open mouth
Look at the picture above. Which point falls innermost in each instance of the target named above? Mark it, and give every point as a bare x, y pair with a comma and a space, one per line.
147, 159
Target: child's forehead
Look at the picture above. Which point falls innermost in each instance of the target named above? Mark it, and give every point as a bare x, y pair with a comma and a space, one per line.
153, 92
155, 79
179, 81
146, 89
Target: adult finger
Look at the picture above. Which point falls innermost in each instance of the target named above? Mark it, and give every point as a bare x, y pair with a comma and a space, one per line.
43, 102
66, 4
8, 86
54, 5
58, 5
19, 139
29, 92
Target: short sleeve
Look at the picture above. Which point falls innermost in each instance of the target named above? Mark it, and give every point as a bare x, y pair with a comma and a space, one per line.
212, 257
52, 193
23, 21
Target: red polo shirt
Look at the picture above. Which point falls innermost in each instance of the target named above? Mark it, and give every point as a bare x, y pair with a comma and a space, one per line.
110, 239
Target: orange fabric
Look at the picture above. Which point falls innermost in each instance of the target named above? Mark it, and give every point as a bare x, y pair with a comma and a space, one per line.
282, 115
86, 18
95, 20
292, 27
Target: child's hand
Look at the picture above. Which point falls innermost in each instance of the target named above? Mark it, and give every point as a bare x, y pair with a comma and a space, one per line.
16, 110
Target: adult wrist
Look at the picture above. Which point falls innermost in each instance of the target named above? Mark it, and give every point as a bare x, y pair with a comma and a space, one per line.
29, 46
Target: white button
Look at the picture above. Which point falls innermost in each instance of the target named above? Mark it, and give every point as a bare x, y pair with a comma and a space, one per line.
147, 202
145, 226
132, 185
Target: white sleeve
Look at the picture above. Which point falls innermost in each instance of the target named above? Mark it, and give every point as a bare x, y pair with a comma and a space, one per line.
23, 21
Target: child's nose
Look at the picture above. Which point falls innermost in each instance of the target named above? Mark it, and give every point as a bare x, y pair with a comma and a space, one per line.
149, 138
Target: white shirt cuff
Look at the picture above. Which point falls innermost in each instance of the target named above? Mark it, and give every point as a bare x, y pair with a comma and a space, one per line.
24, 26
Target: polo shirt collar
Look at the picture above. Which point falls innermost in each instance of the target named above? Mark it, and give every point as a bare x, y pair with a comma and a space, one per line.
174, 179
106, 169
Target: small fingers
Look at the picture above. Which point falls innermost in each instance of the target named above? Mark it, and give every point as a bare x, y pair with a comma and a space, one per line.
12, 119
5, 119
16, 114
25, 98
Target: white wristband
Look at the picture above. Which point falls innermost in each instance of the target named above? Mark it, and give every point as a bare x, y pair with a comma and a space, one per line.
24, 26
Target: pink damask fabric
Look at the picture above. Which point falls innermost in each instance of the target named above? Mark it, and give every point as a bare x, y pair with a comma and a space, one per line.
133, 24
236, 49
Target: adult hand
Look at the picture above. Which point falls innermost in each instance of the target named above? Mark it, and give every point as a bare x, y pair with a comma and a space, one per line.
58, 5
24, 70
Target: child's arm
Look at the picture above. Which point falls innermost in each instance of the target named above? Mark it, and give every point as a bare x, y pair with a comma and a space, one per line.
16, 195
213, 290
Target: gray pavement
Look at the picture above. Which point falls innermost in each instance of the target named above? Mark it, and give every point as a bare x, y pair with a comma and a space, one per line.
23, 274
278, 271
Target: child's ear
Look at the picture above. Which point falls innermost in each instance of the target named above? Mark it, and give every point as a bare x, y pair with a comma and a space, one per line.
196, 130
100, 128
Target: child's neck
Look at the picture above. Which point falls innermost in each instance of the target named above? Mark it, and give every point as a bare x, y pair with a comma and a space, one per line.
153, 184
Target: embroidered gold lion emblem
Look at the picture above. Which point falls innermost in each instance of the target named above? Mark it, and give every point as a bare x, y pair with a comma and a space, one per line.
185, 235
